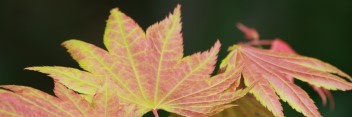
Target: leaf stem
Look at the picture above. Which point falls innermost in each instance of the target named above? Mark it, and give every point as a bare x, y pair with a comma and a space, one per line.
259, 42
155, 111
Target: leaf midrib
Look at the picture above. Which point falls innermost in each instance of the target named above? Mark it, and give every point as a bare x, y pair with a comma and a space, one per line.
135, 71
161, 60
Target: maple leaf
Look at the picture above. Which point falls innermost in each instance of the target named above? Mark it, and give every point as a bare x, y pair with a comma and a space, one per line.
148, 70
275, 69
25, 101
281, 46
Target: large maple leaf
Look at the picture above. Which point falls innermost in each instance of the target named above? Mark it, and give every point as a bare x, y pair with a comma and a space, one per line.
276, 70
148, 69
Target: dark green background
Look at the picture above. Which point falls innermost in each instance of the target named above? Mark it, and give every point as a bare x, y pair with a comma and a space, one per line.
31, 32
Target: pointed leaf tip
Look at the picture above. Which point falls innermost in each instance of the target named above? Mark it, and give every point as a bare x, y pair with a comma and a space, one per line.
250, 33
80, 81
177, 8
216, 46
177, 13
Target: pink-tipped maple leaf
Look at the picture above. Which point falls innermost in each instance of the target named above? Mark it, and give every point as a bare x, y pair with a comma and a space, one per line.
26, 101
281, 46
21, 101
276, 70
148, 69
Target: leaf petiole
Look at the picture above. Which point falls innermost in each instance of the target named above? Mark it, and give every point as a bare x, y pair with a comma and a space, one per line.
155, 112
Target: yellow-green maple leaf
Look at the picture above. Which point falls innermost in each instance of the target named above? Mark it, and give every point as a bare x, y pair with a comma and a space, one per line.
148, 69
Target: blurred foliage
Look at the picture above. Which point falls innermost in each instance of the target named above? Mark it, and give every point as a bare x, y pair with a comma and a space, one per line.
247, 106
31, 32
